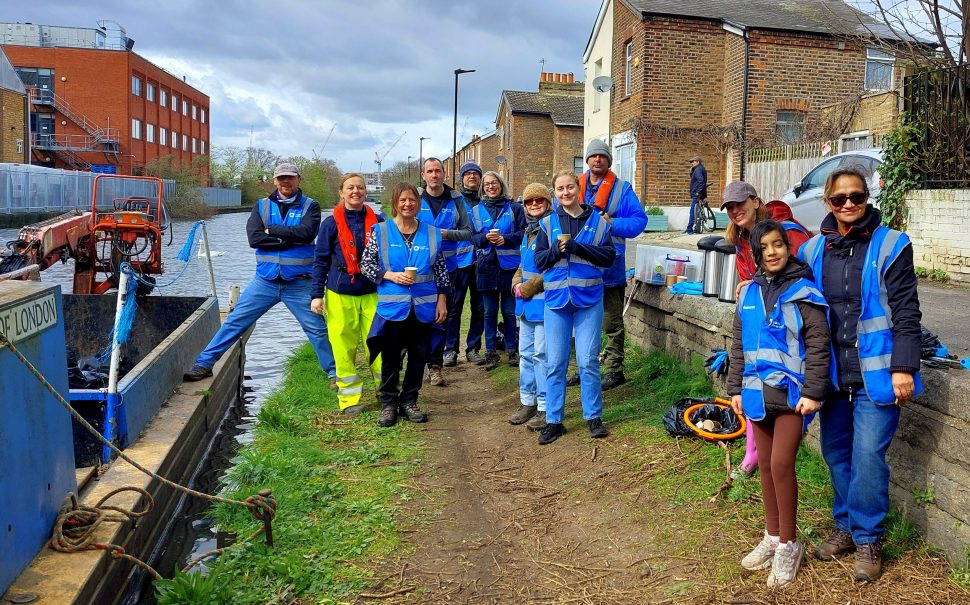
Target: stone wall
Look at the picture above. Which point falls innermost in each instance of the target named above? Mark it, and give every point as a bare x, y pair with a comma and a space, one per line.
938, 223
930, 456
13, 127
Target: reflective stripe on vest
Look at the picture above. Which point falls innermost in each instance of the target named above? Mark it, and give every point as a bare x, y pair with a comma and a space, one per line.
296, 261
531, 309
874, 328
774, 353
573, 279
456, 254
508, 258
394, 301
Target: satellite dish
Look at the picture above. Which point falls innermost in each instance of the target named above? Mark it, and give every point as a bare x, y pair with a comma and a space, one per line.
603, 83
501, 159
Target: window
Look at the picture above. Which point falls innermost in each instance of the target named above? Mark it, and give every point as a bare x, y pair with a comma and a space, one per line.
628, 69
162, 137
578, 164
163, 98
185, 142
150, 133
816, 178
136, 86
150, 92
195, 112
175, 103
624, 162
195, 145
202, 147
790, 127
135, 128
879, 70
202, 117
175, 140
185, 107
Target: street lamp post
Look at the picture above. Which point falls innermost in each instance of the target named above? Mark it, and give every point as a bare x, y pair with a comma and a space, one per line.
409, 167
454, 131
421, 157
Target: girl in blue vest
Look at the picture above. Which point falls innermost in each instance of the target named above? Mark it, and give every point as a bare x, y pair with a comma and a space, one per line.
404, 258
778, 375
865, 271
573, 247
530, 304
498, 223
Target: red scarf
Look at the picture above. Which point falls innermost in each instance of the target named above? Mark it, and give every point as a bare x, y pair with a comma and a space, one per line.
345, 237
603, 193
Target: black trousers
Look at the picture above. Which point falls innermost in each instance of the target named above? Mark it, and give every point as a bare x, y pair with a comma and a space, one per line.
408, 336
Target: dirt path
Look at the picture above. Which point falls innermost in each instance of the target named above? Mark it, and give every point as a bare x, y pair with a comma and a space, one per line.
519, 523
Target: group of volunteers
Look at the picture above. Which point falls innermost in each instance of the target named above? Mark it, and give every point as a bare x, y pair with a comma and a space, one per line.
826, 324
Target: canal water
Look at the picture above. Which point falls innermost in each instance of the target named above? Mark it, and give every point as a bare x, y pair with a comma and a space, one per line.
274, 337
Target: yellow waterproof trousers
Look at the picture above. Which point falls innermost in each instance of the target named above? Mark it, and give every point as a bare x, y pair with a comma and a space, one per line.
348, 323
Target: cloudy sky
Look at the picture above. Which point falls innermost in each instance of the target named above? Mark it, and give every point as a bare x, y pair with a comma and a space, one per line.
284, 72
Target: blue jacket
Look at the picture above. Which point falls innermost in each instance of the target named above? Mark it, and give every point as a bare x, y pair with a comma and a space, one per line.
875, 311
329, 266
394, 302
452, 215
698, 182
293, 261
532, 308
491, 275
629, 220
575, 276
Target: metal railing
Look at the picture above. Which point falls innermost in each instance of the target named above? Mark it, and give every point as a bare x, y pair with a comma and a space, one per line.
46, 96
72, 142
937, 103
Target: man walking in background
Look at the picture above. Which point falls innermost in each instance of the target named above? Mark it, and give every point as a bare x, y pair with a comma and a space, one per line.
698, 189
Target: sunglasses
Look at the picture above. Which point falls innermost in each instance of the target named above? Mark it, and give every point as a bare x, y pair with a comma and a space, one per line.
534, 200
839, 200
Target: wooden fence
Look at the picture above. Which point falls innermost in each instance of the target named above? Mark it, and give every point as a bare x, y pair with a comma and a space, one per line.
773, 170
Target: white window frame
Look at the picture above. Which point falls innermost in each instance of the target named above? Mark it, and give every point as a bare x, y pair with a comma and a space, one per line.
175, 103
135, 85
185, 142
162, 136
798, 120
202, 115
185, 106
162, 97
874, 56
195, 112
628, 68
150, 92
136, 128
578, 165
150, 133
202, 147
195, 145
175, 140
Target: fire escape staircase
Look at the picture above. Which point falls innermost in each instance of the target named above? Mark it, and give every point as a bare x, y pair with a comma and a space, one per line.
66, 146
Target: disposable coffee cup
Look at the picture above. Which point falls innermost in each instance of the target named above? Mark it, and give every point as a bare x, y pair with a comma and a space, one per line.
411, 272
494, 231
565, 237
681, 279
671, 280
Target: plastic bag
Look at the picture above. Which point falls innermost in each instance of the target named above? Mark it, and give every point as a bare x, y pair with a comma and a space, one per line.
710, 417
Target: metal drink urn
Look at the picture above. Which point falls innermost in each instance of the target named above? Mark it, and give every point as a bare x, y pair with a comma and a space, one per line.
729, 272
712, 264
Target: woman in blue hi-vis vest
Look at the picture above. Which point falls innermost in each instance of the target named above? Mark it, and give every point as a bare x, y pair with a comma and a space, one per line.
573, 247
404, 258
865, 271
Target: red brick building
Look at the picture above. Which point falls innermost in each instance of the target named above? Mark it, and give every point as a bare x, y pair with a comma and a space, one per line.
714, 78
97, 105
483, 150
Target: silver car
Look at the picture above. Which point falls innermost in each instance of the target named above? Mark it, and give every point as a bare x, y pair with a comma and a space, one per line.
805, 197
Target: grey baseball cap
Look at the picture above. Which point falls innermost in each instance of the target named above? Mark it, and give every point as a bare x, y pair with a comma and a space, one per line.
737, 191
286, 169
696, 158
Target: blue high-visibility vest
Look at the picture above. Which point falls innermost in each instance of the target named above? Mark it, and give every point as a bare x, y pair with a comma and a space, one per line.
394, 301
457, 255
508, 258
774, 352
296, 260
531, 309
875, 336
574, 279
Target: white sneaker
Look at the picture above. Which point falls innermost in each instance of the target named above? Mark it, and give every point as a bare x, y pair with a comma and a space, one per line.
761, 556
786, 563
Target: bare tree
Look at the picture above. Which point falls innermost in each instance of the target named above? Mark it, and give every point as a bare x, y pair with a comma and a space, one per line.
927, 33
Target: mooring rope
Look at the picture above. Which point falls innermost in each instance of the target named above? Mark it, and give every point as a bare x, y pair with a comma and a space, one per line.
184, 255
76, 523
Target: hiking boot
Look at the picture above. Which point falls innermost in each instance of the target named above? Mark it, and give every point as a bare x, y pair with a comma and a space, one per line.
513, 359
839, 543
473, 356
612, 380
333, 383
868, 562
786, 563
573, 380
596, 428
197, 373
437, 380
450, 359
537, 422
388, 416
762, 555
410, 411
492, 360
525, 412
353, 410
551, 432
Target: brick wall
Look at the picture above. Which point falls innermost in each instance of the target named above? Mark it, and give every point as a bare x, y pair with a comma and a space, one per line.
13, 125
533, 150
938, 223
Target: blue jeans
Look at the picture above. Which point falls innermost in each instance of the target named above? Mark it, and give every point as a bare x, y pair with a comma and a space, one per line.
532, 363
693, 214
855, 437
587, 322
260, 296
462, 283
491, 300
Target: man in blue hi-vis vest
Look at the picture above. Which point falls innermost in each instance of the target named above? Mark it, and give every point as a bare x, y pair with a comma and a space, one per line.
282, 228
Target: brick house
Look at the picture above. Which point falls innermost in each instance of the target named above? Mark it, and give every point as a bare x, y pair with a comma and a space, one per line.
14, 144
540, 133
482, 149
714, 78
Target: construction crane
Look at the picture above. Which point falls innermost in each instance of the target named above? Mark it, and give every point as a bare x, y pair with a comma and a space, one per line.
316, 156
379, 158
